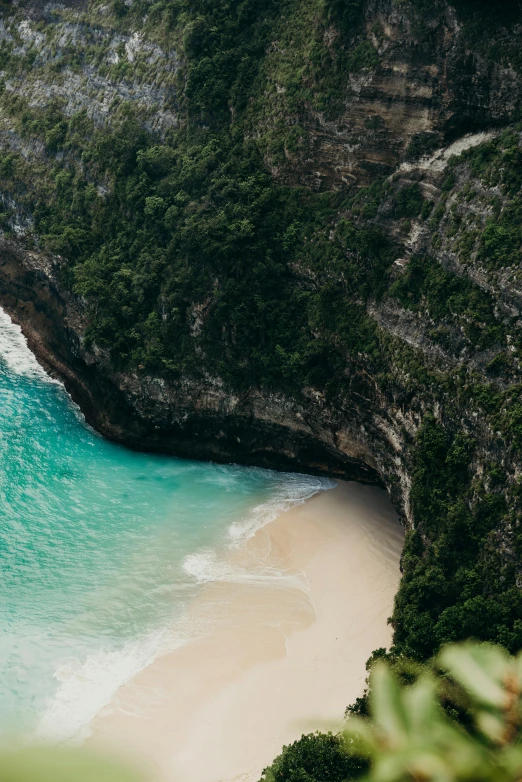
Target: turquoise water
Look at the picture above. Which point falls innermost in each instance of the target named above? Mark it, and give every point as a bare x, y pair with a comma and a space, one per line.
101, 548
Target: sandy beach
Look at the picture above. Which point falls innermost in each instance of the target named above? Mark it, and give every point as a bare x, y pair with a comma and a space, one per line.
286, 636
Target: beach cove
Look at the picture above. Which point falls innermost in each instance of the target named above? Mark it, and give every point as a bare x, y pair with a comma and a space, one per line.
190, 617
295, 612
102, 549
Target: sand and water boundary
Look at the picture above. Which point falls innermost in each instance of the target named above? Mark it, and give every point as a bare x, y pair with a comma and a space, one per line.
284, 647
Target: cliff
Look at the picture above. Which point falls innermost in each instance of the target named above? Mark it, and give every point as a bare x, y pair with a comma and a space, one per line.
197, 418
290, 237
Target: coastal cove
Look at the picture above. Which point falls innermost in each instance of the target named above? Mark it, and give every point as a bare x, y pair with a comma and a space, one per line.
95, 548
285, 654
127, 575
260, 390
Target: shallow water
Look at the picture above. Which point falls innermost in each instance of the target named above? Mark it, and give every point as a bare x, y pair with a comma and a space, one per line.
101, 549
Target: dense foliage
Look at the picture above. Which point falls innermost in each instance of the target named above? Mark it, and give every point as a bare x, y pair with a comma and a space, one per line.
197, 253
456, 585
411, 733
459, 718
317, 757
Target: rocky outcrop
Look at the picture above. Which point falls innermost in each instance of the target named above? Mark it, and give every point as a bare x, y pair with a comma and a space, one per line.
63, 56
406, 111
195, 418
430, 84
366, 433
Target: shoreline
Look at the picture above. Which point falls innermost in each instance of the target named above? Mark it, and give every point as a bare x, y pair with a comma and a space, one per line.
188, 417
286, 637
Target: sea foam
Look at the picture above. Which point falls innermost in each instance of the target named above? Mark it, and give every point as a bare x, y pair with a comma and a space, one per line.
206, 567
85, 688
18, 358
14, 351
87, 684
293, 489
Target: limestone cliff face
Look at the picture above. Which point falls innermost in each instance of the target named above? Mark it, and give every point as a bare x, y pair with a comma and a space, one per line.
423, 94
429, 84
62, 53
194, 418
425, 84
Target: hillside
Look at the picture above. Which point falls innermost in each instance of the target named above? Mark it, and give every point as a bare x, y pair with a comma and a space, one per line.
288, 234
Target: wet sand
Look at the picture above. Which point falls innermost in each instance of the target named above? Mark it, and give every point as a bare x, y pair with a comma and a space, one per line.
286, 636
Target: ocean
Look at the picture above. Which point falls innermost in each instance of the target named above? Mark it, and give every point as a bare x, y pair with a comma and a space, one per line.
102, 550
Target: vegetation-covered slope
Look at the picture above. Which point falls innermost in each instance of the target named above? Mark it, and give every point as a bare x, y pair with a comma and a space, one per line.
278, 204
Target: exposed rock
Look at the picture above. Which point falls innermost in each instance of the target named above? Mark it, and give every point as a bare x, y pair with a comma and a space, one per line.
427, 87
427, 98
193, 418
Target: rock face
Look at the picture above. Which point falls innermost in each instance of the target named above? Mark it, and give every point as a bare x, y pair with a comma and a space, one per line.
197, 419
429, 85
63, 55
288, 235
408, 107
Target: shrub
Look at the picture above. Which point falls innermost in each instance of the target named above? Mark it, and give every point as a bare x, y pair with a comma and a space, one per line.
410, 736
318, 757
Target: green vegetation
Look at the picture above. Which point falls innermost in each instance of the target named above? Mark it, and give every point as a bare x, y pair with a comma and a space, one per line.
451, 300
497, 237
198, 253
456, 585
193, 258
413, 733
199, 207
318, 757
408, 201
458, 718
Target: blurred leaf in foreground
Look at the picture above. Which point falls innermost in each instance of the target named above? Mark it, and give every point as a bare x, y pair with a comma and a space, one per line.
44, 764
410, 736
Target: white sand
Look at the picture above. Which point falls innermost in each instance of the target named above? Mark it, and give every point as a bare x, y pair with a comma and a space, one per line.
284, 653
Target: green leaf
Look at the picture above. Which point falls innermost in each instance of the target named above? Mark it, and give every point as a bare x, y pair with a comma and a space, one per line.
360, 732
511, 761
492, 725
421, 706
411, 763
61, 765
387, 706
478, 669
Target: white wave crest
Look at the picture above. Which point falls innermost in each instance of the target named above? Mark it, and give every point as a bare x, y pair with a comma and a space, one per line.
205, 566
87, 687
15, 353
292, 489
202, 566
